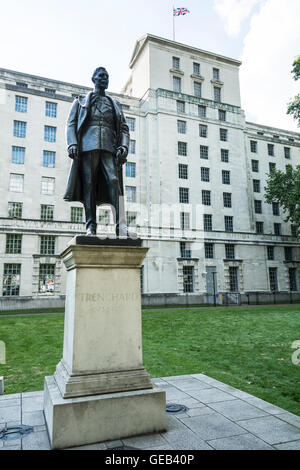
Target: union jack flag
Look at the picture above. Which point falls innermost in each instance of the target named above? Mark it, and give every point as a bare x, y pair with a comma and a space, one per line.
180, 11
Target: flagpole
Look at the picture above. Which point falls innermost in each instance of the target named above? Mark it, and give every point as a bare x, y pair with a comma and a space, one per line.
173, 24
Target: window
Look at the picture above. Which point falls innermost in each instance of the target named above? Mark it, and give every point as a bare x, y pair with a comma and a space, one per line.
130, 170
201, 111
180, 106
205, 174
256, 186
47, 245
48, 185
223, 135
287, 152
22, 84
272, 167
184, 195
207, 222
216, 74
209, 250
196, 68
104, 216
222, 115
182, 171
202, 130
21, 104
131, 218
47, 212
204, 152
47, 278
233, 279
257, 206
206, 197
188, 279
227, 200
273, 279
13, 243
259, 227
270, 253
176, 63
275, 208
184, 220
225, 177
293, 278
197, 89
130, 193
271, 150
253, 146
16, 183
229, 251
50, 134
288, 253
76, 214
131, 123
11, 279
181, 127
132, 146
255, 165
277, 229
294, 231
51, 109
224, 155
49, 159
182, 149
50, 91
177, 84
20, 129
185, 250
18, 155
15, 209
228, 222
217, 94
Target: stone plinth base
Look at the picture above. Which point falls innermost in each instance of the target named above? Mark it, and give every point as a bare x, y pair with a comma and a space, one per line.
98, 418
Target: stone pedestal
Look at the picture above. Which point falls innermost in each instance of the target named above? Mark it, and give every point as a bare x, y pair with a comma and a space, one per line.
100, 389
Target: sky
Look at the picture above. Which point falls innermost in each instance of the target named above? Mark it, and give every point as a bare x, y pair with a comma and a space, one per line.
67, 39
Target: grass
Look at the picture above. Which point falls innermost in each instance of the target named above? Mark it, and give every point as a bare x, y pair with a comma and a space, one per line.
246, 347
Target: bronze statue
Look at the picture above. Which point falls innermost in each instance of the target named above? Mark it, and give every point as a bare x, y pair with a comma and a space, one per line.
98, 140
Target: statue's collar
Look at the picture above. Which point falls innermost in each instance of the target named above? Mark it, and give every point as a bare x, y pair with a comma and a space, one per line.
85, 100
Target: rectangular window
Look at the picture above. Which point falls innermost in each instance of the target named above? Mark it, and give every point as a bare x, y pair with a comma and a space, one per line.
271, 150
196, 68
275, 208
293, 279
227, 200
18, 155
222, 115
233, 279
21, 104
272, 167
206, 197
22, 84
257, 206
13, 243
209, 250
287, 152
180, 106
184, 195
11, 279
185, 250
104, 216
201, 111
16, 183
20, 129
131, 218
229, 251
207, 222
176, 63
182, 171
225, 177
181, 127
49, 159
132, 147
224, 155
48, 186
223, 135
197, 89
256, 186
50, 91
270, 253
177, 84
277, 229
288, 253
184, 220
259, 227
188, 279
182, 149
202, 130
76, 214
204, 152
130, 193
47, 212
205, 174
47, 279
253, 146
216, 74
273, 279
294, 231
51, 109
228, 222
47, 246
49, 134
130, 170
15, 210
217, 94
131, 123
255, 166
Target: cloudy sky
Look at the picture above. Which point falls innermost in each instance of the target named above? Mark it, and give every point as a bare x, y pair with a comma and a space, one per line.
67, 39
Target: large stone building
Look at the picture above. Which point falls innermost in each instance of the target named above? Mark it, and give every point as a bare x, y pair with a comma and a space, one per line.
194, 183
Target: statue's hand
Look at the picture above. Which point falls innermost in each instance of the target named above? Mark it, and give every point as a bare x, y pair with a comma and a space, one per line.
122, 153
73, 151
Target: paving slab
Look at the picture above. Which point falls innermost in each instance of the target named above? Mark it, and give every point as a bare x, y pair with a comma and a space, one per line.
141, 442
294, 445
271, 429
210, 395
212, 426
241, 442
237, 410
33, 403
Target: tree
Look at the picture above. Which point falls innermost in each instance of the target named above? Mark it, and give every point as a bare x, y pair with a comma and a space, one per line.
294, 106
284, 188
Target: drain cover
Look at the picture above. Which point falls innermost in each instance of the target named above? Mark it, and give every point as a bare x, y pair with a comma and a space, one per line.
124, 448
175, 408
14, 432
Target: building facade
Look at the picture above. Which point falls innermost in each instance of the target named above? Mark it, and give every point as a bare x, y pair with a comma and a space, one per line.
194, 184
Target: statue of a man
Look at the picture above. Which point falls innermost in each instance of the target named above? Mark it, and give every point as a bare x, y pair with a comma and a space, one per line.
98, 140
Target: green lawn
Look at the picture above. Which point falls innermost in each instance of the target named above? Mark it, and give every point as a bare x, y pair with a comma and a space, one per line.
246, 347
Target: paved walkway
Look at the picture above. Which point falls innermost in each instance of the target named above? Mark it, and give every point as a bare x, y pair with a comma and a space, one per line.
218, 417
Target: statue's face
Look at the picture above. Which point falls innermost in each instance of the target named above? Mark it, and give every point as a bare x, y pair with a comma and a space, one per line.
101, 79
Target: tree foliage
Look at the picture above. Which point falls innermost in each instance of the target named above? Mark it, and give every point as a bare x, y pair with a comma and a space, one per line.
294, 105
